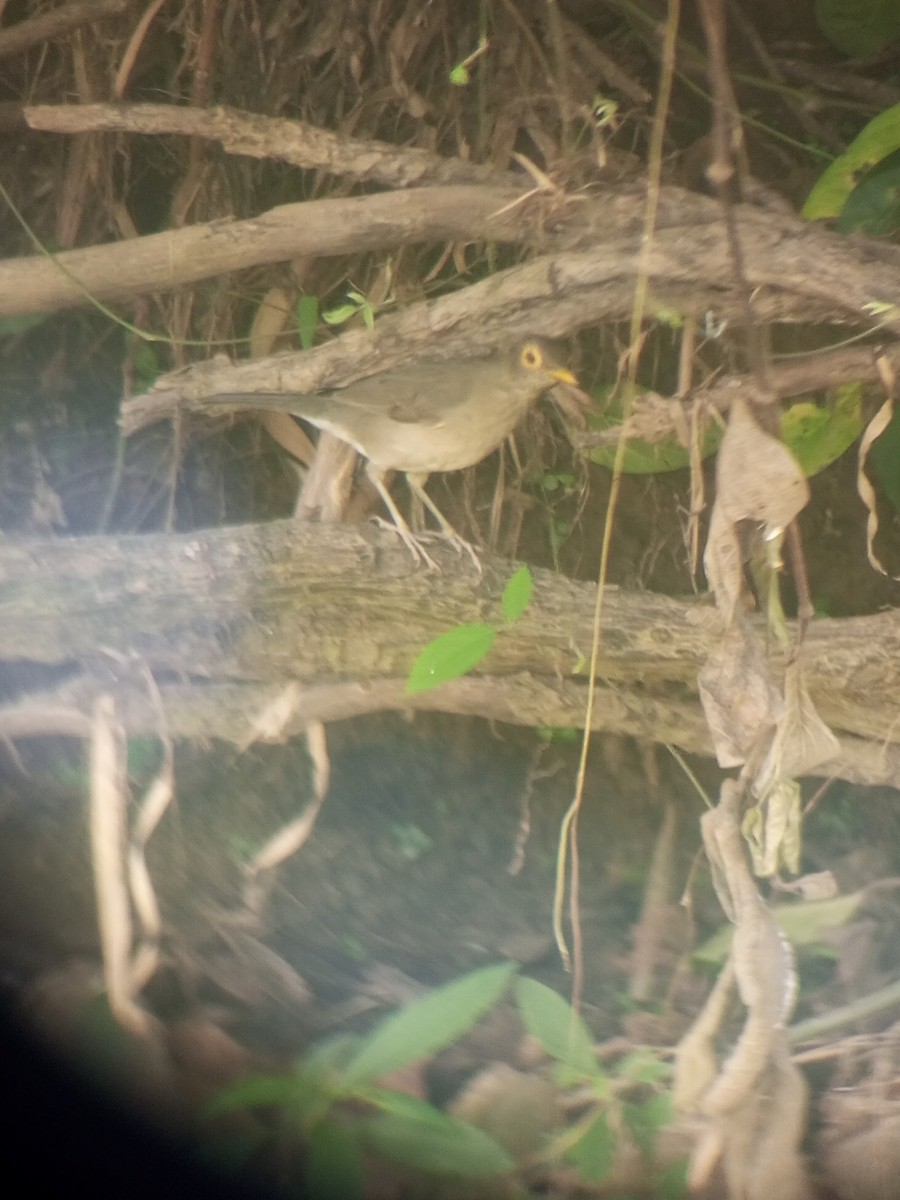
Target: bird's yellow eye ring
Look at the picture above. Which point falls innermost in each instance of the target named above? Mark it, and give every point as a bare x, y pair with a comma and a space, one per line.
531, 357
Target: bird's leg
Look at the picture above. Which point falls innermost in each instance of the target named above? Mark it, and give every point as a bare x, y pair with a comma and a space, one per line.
417, 487
413, 544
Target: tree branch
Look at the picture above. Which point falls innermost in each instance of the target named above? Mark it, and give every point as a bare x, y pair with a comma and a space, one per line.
228, 619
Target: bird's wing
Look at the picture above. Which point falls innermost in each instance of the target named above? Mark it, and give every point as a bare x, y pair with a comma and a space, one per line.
415, 396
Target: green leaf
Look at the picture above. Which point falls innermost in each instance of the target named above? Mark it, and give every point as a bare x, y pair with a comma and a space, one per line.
859, 28
146, 366
876, 141
817, 435
13, 325
557, 1027
645, 1120
804, 924
445, 1145
340, 314
594, 1153
517, 594
449, 656
549, 733
257, 1091
642, 1066
333, 1165
356, 305
307, 320
332, 1053
428, 1025
144, 755
642, 457
873, 207
459, 76
399, 1104
672, 1183
885, 459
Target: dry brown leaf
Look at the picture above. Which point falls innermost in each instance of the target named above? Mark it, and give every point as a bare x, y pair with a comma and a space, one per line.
772, 829
757, 477
738, 697
802, 740
722, 561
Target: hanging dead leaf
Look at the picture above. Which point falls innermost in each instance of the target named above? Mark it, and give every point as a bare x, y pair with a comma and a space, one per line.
802, 740
722, 562
738, 697
757, 477
772, 829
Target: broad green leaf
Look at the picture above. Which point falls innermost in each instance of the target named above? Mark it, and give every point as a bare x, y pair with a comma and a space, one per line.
445, 1146
307, 319
873, 207
804, 924
642, 457
859, 28
876, 141
517, 594
556, 1026
449, 656
332, 1164
817, 435
399, 1104
428, 1025
642, 1066
645, 1120
594, 1153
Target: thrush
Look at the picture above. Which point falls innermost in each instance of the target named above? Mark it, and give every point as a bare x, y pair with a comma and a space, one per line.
424, 418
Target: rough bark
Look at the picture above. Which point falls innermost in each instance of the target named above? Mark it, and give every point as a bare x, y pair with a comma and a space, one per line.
800, 272
328, 620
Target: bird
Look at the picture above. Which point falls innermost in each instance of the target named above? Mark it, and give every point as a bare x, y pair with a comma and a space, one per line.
425, 417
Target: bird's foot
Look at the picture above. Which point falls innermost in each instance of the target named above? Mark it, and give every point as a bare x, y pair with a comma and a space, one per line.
461, 546
448, 534
413, 542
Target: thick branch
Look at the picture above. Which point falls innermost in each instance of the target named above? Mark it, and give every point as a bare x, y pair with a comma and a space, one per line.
803, 272
228, 619
362, 159
16, 39
553, 293
164, 261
